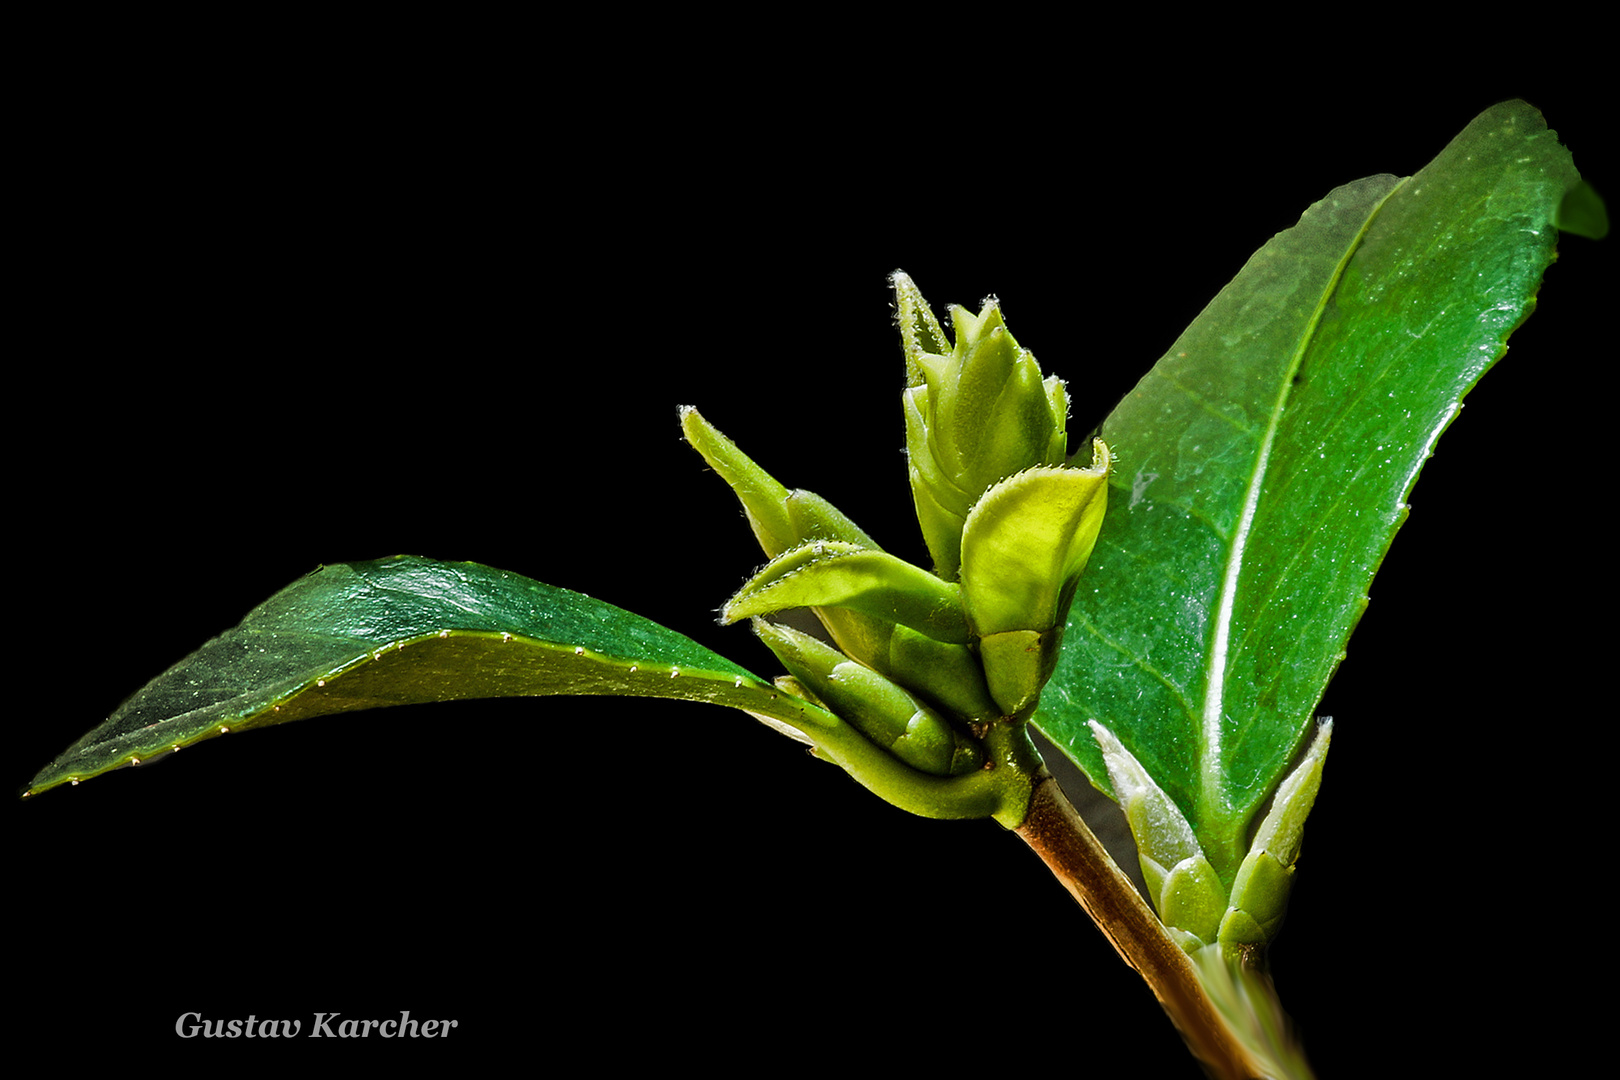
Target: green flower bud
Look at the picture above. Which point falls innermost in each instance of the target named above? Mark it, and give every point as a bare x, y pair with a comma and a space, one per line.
880, 709
1023, 548
977, 412
1182, 883
945, 673
1260, 891
1000, 509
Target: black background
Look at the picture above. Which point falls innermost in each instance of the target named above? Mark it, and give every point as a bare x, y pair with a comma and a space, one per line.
292, 314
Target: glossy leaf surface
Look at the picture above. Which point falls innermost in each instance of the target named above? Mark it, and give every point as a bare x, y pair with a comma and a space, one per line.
1262, 466
407, 630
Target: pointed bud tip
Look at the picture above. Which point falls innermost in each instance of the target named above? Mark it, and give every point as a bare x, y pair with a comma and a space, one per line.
688, 417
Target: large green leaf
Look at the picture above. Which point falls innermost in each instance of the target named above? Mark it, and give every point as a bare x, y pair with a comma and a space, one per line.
1264, 463
405, 630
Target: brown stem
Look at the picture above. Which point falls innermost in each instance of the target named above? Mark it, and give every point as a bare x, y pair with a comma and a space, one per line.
1068, 847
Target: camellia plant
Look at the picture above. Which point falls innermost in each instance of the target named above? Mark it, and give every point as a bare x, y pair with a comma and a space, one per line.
1165, 601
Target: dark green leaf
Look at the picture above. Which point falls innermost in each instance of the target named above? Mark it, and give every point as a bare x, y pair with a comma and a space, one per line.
406, 630
1263, 466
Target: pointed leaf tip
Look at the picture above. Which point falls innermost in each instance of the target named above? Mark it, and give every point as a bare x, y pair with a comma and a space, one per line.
1582, 213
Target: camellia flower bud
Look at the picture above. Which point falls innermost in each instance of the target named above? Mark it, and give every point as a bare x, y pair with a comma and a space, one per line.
1184, 887
933, 668
977, 412
1023, 548
785, 522
1260, 892
884, 712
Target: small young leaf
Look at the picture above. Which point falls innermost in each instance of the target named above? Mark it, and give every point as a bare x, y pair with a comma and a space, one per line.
1026, 541
781, 519
874, 583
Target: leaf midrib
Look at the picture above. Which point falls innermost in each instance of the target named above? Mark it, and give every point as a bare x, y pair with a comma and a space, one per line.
1213, 803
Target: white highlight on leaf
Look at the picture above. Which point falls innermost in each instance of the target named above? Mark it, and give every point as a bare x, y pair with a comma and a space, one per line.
1139, 486
1215, 693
